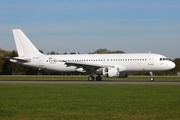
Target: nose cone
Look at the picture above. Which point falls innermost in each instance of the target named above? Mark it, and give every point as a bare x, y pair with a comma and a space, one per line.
172, 65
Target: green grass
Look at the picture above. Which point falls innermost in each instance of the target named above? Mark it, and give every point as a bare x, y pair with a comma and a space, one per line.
89, 102
84, 77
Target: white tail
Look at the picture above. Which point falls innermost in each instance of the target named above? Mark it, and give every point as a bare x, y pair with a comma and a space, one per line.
24, 45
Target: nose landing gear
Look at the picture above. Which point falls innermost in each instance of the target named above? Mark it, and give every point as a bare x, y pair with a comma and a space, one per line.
151, 76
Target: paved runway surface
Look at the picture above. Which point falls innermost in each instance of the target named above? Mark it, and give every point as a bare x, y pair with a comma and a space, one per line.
91, 82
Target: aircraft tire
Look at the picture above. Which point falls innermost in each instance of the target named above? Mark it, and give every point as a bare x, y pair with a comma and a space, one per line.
151, 79
98, 78
91, 78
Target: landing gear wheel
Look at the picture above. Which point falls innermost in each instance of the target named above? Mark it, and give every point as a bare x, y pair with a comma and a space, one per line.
98, 78
91, 78
151, 79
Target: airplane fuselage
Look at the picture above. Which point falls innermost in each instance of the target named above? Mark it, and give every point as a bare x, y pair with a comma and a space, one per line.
126, 62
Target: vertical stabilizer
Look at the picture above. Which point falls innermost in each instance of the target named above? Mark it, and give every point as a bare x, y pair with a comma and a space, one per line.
24, 45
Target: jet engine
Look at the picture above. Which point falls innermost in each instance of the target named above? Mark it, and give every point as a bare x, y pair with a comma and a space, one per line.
114, 72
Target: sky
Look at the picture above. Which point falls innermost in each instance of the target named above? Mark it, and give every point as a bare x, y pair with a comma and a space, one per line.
133, 26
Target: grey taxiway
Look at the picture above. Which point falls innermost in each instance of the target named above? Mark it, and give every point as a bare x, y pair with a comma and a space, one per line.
90, 82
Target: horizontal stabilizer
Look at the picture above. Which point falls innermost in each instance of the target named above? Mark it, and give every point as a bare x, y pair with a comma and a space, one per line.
21, 59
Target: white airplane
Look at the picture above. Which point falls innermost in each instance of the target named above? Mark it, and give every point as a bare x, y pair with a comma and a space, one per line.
108, 65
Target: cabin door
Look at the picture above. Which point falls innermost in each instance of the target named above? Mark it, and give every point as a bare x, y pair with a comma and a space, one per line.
41, 63
151, 60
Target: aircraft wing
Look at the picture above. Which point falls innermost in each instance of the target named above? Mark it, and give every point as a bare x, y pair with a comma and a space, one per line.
87, 66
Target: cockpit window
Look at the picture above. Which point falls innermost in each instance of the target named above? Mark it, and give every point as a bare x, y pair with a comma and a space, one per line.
163, 59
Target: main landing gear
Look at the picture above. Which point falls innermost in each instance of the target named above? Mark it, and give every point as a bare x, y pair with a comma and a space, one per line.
91, 78
151, 76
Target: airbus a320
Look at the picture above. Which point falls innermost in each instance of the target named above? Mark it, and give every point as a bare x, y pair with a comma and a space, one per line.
108, 65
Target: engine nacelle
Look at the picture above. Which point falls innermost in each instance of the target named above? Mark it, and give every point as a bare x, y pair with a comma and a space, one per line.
123, 74
114, 72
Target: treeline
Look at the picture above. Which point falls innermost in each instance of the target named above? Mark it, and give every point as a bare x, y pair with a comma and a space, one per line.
9, 68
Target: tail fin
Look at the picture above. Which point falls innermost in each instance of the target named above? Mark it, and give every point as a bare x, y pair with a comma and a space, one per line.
24, 45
